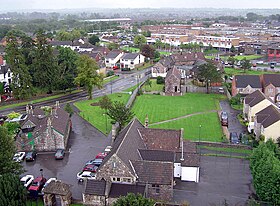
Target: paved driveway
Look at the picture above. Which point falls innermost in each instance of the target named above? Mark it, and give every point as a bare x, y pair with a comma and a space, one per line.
233, 123
221, 179
84, 143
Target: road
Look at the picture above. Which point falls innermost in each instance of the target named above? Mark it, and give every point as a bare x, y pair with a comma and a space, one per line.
124, 82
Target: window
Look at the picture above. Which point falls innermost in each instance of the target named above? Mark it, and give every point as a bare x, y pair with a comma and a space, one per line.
107, 61
270, 90
118, 179
156, 188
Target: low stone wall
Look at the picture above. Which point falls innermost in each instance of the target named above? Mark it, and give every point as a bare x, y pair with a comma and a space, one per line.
224, 145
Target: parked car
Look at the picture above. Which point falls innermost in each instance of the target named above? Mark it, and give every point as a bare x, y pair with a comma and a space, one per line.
221, 90
233, 137
90, 168
59, 154
31, 156
115, 67
101, 155
19, 156
27, 180
48, 182
108, 149
224, 119
96, 162
81, 176
37, 184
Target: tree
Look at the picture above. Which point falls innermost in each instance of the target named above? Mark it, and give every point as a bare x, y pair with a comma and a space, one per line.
93, 39
112, 46
245, 64
232, 49
132, 199
120, 113
139, 40
231, 61
7, 151
149, 82
146, 33
208, 73
69, 109
64, 35
105, 102
87, 74
148, 51
160, 80
45, 67
12, 191
67, 68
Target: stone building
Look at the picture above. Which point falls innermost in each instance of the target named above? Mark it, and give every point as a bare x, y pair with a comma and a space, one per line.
173, 82
45, 129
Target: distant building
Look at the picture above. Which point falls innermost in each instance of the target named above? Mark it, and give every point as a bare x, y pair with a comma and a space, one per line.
218, 42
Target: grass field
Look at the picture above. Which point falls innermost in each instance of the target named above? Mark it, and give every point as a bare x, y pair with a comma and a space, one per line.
95, 115
248, 57
131, 49
232, 71
165, 52
154, 86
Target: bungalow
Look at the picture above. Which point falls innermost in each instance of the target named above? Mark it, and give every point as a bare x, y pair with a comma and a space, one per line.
131, 61
142, 161
253, 103
113, 57
245, 84
271, 86
267, 123
158, 70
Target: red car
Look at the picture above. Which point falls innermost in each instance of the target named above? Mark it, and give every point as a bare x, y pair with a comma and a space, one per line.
115, 67
37, 184
90, 168
101, 155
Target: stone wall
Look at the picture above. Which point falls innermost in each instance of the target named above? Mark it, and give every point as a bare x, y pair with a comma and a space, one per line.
162, 193
170, 83
94, 200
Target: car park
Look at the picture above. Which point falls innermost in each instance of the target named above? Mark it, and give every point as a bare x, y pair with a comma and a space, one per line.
90, 168
37, 184
59, 154
233, 137
81, 176
19, 156
31, 156
27, 180
224, 119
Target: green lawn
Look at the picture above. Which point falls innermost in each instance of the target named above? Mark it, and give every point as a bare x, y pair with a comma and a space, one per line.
94, 114
131, 49
248, 57
105, 81
165, 52
145, 66
210, 127
230, 150
159, 108
154, 86
37, 100
232, 71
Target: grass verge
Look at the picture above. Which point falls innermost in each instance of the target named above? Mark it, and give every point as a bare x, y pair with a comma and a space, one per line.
223, 155
232, 71
222, 149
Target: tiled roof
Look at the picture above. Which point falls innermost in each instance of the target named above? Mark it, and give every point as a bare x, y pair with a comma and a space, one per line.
190, 56
58, 188
95, 187
190, 159
271, 79
268, 116
161, 139
254, 98
130, 56
242, 81
157, 155
173, 71
113, 54
189, 147
154, 172
159, 68
118, 190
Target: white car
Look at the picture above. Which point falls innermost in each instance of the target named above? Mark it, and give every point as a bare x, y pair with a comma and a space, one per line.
27, 180
81, 176
19, 156
108, 149
48, 182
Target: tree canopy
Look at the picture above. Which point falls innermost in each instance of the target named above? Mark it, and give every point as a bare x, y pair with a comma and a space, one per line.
139, 40
245, 64
133, 200
93, 39
148, 51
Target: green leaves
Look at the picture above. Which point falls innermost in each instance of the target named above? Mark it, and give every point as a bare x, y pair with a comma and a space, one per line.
133, 200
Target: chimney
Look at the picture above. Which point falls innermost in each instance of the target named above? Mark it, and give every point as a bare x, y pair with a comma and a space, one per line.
146, 121
182, 145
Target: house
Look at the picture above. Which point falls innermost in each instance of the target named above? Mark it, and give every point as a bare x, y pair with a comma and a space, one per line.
173, 81
253, 103
267, 123
271, 86
5, 74
245, 84
44, 129
158, 70
131, 61
187, 58
142, 161
96, 55
113, 58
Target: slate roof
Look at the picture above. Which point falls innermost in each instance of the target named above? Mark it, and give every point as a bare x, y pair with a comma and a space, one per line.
159, 68
95, 187
242, 81
189, 56
189, 147
157, 155
113, 54
254, 98
167, 62
190, 159
154, 172
61, 43
173, 71
268, 116
161, 139
118, 190
271, 79
130, 56
58, 188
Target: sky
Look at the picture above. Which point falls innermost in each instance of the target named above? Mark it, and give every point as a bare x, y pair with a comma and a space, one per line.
77, 4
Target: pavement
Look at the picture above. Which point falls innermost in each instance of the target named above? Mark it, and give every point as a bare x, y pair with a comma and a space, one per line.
221, 179
233, 123
84, 144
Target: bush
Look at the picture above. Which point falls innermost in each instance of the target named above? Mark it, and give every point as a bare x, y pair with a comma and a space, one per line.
235, 100
110, 73
160, 80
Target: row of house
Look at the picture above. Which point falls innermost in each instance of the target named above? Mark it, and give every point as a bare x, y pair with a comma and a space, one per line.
269, 84
146, 161
262, 115
126, 61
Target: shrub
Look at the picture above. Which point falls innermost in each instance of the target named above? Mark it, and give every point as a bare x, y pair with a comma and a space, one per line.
160, 80
110, 73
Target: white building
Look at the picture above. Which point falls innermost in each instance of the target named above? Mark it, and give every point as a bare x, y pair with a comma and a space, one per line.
131, 60
217, 41
112, 58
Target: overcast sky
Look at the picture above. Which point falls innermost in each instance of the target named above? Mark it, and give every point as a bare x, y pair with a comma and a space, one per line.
76, 4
